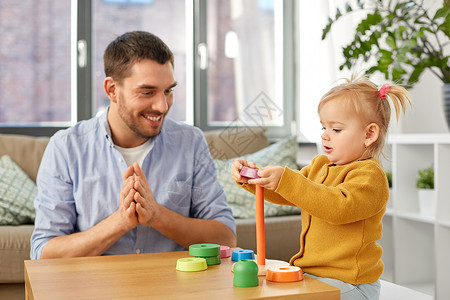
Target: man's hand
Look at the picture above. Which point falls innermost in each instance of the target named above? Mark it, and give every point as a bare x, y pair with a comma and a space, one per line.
127, 206
146, 206
182, 230
97, 239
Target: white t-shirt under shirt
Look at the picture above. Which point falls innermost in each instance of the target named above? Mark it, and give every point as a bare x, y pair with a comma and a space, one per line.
136, 154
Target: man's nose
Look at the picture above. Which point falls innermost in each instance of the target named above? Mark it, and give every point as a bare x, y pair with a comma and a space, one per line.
160, 103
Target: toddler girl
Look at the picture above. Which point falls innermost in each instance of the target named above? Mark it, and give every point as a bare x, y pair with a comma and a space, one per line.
342, 194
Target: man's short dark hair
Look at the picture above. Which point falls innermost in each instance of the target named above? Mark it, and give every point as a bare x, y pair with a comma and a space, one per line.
131, 47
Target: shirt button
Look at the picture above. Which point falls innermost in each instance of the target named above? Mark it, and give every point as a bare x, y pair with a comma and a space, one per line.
138, 251
120, 160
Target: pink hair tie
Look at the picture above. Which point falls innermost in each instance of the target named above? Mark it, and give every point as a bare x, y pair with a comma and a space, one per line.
384, 90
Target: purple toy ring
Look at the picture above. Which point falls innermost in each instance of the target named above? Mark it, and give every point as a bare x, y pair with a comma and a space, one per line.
249, 173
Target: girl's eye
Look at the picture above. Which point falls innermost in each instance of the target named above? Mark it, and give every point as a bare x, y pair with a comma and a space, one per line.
337, 130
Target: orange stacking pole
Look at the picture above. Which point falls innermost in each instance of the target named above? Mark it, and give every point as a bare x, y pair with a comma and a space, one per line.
260, 235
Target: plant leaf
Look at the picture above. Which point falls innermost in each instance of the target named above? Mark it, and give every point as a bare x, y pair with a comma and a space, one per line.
348, 8
390, 41
442, 12
414, 77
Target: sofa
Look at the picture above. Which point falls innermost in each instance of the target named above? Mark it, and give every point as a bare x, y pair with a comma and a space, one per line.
282, 231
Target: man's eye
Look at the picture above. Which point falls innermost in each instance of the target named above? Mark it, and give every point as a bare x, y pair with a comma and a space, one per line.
169, 91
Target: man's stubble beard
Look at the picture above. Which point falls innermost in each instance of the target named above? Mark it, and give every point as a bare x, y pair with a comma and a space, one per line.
128, 119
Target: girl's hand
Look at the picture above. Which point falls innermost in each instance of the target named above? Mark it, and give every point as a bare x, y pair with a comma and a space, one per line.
236, 168
270, 177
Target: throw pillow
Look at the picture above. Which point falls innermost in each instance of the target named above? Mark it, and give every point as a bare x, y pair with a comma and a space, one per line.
282, 153
17, 193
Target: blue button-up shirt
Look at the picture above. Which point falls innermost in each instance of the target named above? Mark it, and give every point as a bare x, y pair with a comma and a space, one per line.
80, 178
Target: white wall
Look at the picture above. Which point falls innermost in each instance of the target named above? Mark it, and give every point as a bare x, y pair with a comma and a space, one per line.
317, 71
427, 114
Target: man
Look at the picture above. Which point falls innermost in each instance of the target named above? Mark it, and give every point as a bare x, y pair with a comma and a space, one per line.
131, 180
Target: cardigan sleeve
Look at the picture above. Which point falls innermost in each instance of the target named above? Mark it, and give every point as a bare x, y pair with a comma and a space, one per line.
361, 193
272, 196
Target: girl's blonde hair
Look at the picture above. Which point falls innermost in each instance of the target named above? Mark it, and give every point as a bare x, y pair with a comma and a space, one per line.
371, 105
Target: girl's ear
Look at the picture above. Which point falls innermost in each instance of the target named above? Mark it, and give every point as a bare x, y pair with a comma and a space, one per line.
110, 87
372, 134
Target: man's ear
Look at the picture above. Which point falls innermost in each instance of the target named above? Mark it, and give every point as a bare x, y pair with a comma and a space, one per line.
372, 134
110, 87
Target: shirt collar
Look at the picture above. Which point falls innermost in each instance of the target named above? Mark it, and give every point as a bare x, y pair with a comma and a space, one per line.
104, 125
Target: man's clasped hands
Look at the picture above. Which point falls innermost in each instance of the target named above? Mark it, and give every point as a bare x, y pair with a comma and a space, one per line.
137, 205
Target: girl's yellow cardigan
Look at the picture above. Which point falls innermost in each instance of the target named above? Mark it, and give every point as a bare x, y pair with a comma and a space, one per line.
342, 211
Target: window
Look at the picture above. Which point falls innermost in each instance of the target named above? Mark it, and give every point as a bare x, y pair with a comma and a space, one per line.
243, 58
35, 87
233, 60
166, 19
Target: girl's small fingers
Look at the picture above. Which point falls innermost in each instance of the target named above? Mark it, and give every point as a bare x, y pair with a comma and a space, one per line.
255, 181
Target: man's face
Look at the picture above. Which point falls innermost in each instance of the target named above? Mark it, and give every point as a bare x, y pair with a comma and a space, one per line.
143, 100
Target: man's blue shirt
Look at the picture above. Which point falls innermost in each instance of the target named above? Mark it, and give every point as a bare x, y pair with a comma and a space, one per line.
80, 178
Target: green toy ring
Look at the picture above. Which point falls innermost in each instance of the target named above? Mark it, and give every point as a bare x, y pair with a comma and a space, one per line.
204, 250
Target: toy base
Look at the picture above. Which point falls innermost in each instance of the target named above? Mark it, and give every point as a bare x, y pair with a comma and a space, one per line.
270, 263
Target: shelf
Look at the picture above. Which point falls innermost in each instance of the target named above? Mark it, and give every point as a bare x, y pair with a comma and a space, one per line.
438, 138
442, 262
412, 216
416, 247
444, 223
424, 287
414, 255
387, 244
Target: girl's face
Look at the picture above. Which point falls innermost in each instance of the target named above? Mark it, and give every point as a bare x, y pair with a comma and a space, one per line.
344, 135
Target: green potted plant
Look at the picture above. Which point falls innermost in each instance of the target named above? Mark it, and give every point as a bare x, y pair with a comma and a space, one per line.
401, 40
389, 179
426, 192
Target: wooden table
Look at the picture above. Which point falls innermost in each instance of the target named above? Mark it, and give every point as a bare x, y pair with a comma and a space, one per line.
153, 276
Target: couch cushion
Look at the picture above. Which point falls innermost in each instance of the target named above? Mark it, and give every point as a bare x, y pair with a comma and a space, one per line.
242, 203
26, 151
235, 141
14, 249
17, 193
